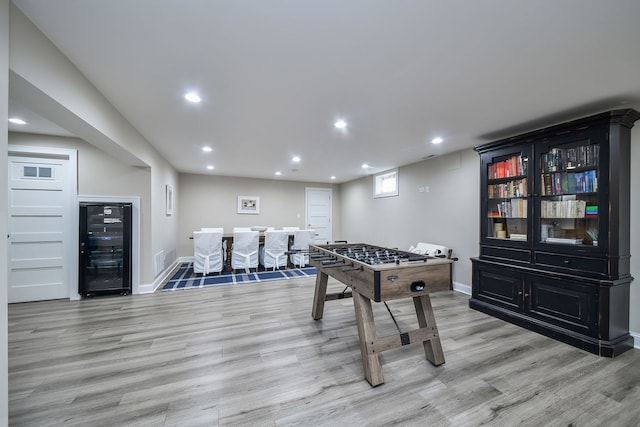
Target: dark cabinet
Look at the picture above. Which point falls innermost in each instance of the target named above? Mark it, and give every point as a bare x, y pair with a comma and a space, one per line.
105, 249
554, 235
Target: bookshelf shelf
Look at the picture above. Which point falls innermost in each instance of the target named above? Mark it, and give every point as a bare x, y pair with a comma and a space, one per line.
554, 234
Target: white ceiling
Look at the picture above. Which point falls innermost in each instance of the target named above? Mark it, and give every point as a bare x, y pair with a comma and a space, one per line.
275, 74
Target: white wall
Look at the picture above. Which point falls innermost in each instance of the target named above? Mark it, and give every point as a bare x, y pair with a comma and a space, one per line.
211, 201
50, 85
446, 214
4, 211
164, 228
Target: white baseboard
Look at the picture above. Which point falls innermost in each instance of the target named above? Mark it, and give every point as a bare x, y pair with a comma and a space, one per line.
152, 287
461, 287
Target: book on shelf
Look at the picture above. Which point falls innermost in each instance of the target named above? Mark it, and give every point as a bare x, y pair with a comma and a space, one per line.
570, 158
513, 208
516, 236
513, 166
515, 188
563, 208
569, 182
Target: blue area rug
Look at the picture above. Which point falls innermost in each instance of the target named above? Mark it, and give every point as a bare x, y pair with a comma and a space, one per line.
185, 279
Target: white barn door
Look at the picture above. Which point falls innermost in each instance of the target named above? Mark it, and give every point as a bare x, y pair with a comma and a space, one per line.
318, 213
41, 218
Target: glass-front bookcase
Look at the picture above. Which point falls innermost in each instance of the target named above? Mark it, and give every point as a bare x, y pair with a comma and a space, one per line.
554, 231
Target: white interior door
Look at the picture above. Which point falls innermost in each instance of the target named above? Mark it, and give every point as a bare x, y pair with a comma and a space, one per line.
40, 228
318, 213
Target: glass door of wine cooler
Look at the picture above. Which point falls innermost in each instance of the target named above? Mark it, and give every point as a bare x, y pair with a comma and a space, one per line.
105, 242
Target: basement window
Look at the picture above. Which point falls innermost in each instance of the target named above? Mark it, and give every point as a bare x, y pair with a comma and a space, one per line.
385, 184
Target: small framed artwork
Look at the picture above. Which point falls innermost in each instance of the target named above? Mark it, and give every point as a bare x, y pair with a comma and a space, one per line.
248, 205
168, 198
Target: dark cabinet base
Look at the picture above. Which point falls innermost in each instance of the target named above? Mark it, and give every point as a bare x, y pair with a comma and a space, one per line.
592, 345
587, 314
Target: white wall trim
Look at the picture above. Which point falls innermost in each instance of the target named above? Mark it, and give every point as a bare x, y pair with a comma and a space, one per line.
135, 233
152, 287
71, 276
461, 287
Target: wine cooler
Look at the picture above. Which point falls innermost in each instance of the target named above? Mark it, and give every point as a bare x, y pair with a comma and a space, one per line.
105, 249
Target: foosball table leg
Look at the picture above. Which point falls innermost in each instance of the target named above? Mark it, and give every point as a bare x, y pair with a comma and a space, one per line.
367, 335
319, 295
432, 347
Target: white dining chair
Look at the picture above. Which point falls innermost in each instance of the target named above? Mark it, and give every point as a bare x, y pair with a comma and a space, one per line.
301, 241
244, 255
220, 230
291, 228
241, 229
273, 252
207, 252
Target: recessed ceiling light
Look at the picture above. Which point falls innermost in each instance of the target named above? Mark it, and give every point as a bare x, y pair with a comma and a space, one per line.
437, 140
192, 97
365, 166
333, 177
210, 167
206, 149
278, 173
295, 159
340, 124
17, 121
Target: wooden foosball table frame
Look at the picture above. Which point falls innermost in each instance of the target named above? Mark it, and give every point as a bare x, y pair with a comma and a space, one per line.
410, 277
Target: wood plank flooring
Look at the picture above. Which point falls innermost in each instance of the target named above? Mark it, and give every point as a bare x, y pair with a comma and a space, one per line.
251, 355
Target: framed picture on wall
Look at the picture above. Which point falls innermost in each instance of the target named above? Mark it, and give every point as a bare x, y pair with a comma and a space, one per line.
248, 205
168, 196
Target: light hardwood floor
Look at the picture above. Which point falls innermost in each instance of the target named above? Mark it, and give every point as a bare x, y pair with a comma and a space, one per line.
251, 355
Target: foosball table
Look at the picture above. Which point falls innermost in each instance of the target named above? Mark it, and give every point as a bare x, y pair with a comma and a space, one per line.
381, 274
